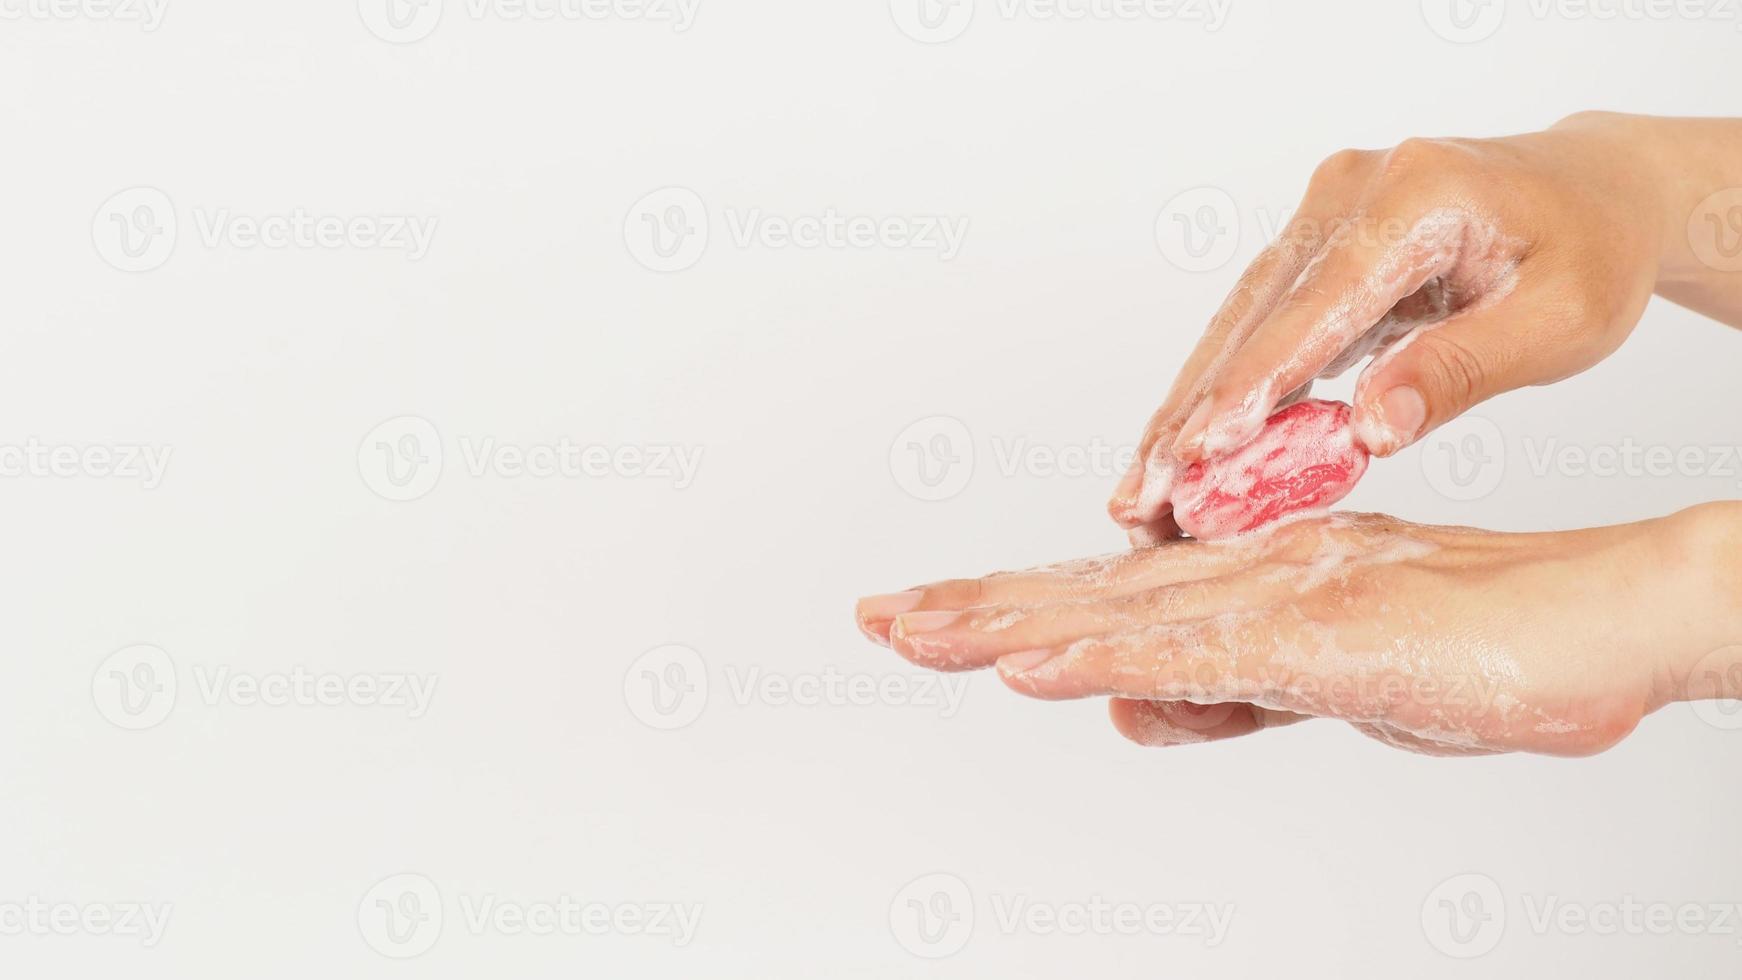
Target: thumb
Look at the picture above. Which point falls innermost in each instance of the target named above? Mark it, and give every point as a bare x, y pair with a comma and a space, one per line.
1440, 371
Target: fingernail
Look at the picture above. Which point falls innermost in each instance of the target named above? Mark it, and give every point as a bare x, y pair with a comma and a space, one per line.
889, 606
1027, 660
1125, 494
1191, 435
1404, 412
875, 614
925, 622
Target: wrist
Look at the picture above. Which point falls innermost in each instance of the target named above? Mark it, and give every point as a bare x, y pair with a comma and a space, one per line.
1639, 153
1700, 561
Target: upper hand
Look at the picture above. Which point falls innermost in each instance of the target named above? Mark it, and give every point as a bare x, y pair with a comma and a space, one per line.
1470, 267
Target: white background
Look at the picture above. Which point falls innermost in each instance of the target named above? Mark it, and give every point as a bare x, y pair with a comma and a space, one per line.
535, 773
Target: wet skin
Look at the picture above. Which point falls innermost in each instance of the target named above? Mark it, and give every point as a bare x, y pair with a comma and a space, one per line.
1449, 641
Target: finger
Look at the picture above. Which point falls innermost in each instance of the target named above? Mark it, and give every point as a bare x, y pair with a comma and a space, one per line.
1111, 575
1166, 528
874, 613
975, 638
1156, 533
1432, 376
1163, 723
1397, 738
1342, 296
1141, 497
1193, 661
1268, 659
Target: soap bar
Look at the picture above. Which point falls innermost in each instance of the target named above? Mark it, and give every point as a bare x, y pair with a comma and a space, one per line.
1304, 457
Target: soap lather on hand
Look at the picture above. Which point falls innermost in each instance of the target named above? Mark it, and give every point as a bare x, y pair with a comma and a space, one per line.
1305, 457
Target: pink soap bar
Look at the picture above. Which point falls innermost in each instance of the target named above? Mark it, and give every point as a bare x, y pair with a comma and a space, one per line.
1306, 456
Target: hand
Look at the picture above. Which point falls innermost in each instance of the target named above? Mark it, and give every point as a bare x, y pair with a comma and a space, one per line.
1469, 267
1449, 641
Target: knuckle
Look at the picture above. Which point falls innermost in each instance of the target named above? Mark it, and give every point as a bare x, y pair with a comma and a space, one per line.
1158, 605
1219, 391
1331, 602
1451, 369
1301, 238
1415, 153
1234, 388
1296, 543
1417, 168
1588, 320
961, 592
1340, 166
1613, 725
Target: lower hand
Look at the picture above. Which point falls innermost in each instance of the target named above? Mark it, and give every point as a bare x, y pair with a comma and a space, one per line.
1449, 641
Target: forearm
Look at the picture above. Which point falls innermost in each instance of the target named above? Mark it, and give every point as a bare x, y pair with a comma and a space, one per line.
1694, 170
